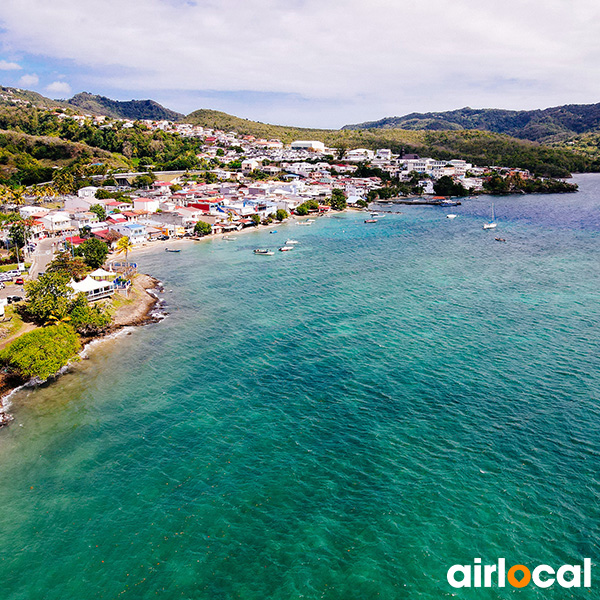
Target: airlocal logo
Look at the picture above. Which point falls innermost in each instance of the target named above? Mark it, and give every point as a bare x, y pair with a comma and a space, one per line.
519, 576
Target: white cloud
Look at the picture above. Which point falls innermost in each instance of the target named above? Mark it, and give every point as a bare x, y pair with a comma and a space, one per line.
59, 88
29, 80
9, 66
369, 53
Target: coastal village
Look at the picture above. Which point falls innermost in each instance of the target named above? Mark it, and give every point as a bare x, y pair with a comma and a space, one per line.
245, 182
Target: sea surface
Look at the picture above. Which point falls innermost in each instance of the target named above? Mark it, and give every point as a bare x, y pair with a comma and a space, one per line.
343, 421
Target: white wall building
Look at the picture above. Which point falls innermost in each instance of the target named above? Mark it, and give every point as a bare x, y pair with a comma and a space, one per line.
310, 145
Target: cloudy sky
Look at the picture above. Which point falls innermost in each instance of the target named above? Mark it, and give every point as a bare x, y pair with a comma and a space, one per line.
307, 62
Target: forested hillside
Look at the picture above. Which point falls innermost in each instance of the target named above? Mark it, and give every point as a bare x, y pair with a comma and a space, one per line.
549, 125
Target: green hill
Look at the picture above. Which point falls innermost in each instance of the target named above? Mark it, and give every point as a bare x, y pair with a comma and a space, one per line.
548, 125
132, 109
479, 147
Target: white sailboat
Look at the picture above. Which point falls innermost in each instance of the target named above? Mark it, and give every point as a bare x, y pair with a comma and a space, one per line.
492, 224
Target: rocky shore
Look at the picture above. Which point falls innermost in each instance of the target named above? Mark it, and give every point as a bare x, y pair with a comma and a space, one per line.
140, 307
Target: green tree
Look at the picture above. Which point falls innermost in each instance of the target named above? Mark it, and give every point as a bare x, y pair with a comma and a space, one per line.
202, 228
93, 251
144, 181
281, 214
48, 296
88, 319
302, 210
255, 219
18, 234
68, 265
338, 200
98, 209
124, 246
42, 352
446, 186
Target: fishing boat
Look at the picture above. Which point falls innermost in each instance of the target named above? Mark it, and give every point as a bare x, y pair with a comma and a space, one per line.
451, 216
492, 224
172, 250
370, 220
291, 242
286, 248
264, 252
499, 239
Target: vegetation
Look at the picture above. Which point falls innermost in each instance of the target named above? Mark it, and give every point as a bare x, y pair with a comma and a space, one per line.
338, 200
535, 125
42, 352
281, 214
304, 208
48, 296
446, 186
124, 246
133, 109
202, 228
478, 147
66, 264
93, 252
88, 319
515, 184
99, 210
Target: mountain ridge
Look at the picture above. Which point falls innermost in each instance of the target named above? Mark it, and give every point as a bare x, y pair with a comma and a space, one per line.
548, 125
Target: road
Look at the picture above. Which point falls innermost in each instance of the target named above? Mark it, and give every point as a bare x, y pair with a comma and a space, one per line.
42, 256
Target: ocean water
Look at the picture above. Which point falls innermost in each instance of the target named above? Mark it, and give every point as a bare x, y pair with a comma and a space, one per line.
343, 421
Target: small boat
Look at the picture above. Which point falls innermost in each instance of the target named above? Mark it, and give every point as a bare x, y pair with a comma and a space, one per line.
304, 223
291, 242
310, 221
499, 239
370, 220
286, 248
492, 224
274, 231
451, 216
172, 250
228, 238
264, 252
377, 216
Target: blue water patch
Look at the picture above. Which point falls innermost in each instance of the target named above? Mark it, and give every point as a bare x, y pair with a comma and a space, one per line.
344, 421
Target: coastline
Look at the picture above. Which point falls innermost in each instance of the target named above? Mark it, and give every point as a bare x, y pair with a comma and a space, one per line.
138, 310
143, 307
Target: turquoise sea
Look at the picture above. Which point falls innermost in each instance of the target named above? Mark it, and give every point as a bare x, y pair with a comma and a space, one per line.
343, 421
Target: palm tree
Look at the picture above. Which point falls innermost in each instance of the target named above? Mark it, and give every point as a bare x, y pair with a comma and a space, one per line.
124, 246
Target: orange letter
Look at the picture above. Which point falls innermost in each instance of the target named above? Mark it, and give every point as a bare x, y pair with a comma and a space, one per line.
524, 580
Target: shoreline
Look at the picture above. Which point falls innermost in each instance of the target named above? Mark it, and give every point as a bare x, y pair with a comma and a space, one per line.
140, 311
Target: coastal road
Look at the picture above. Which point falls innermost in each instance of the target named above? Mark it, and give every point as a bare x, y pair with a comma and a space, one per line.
42, 256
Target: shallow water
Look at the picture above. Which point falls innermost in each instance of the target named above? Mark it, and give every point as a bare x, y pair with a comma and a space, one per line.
346, 420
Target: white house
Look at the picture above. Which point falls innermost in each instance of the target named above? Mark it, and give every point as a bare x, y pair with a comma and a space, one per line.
57, 222
29, 212
87, 192
150, 205
134, 231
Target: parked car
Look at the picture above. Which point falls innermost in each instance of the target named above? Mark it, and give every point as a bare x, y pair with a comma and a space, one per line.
13, 273
162, 238
5, 277
19, 281
13, 299
2, 286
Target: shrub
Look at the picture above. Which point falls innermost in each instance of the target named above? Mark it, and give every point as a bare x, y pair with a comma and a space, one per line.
42, 352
